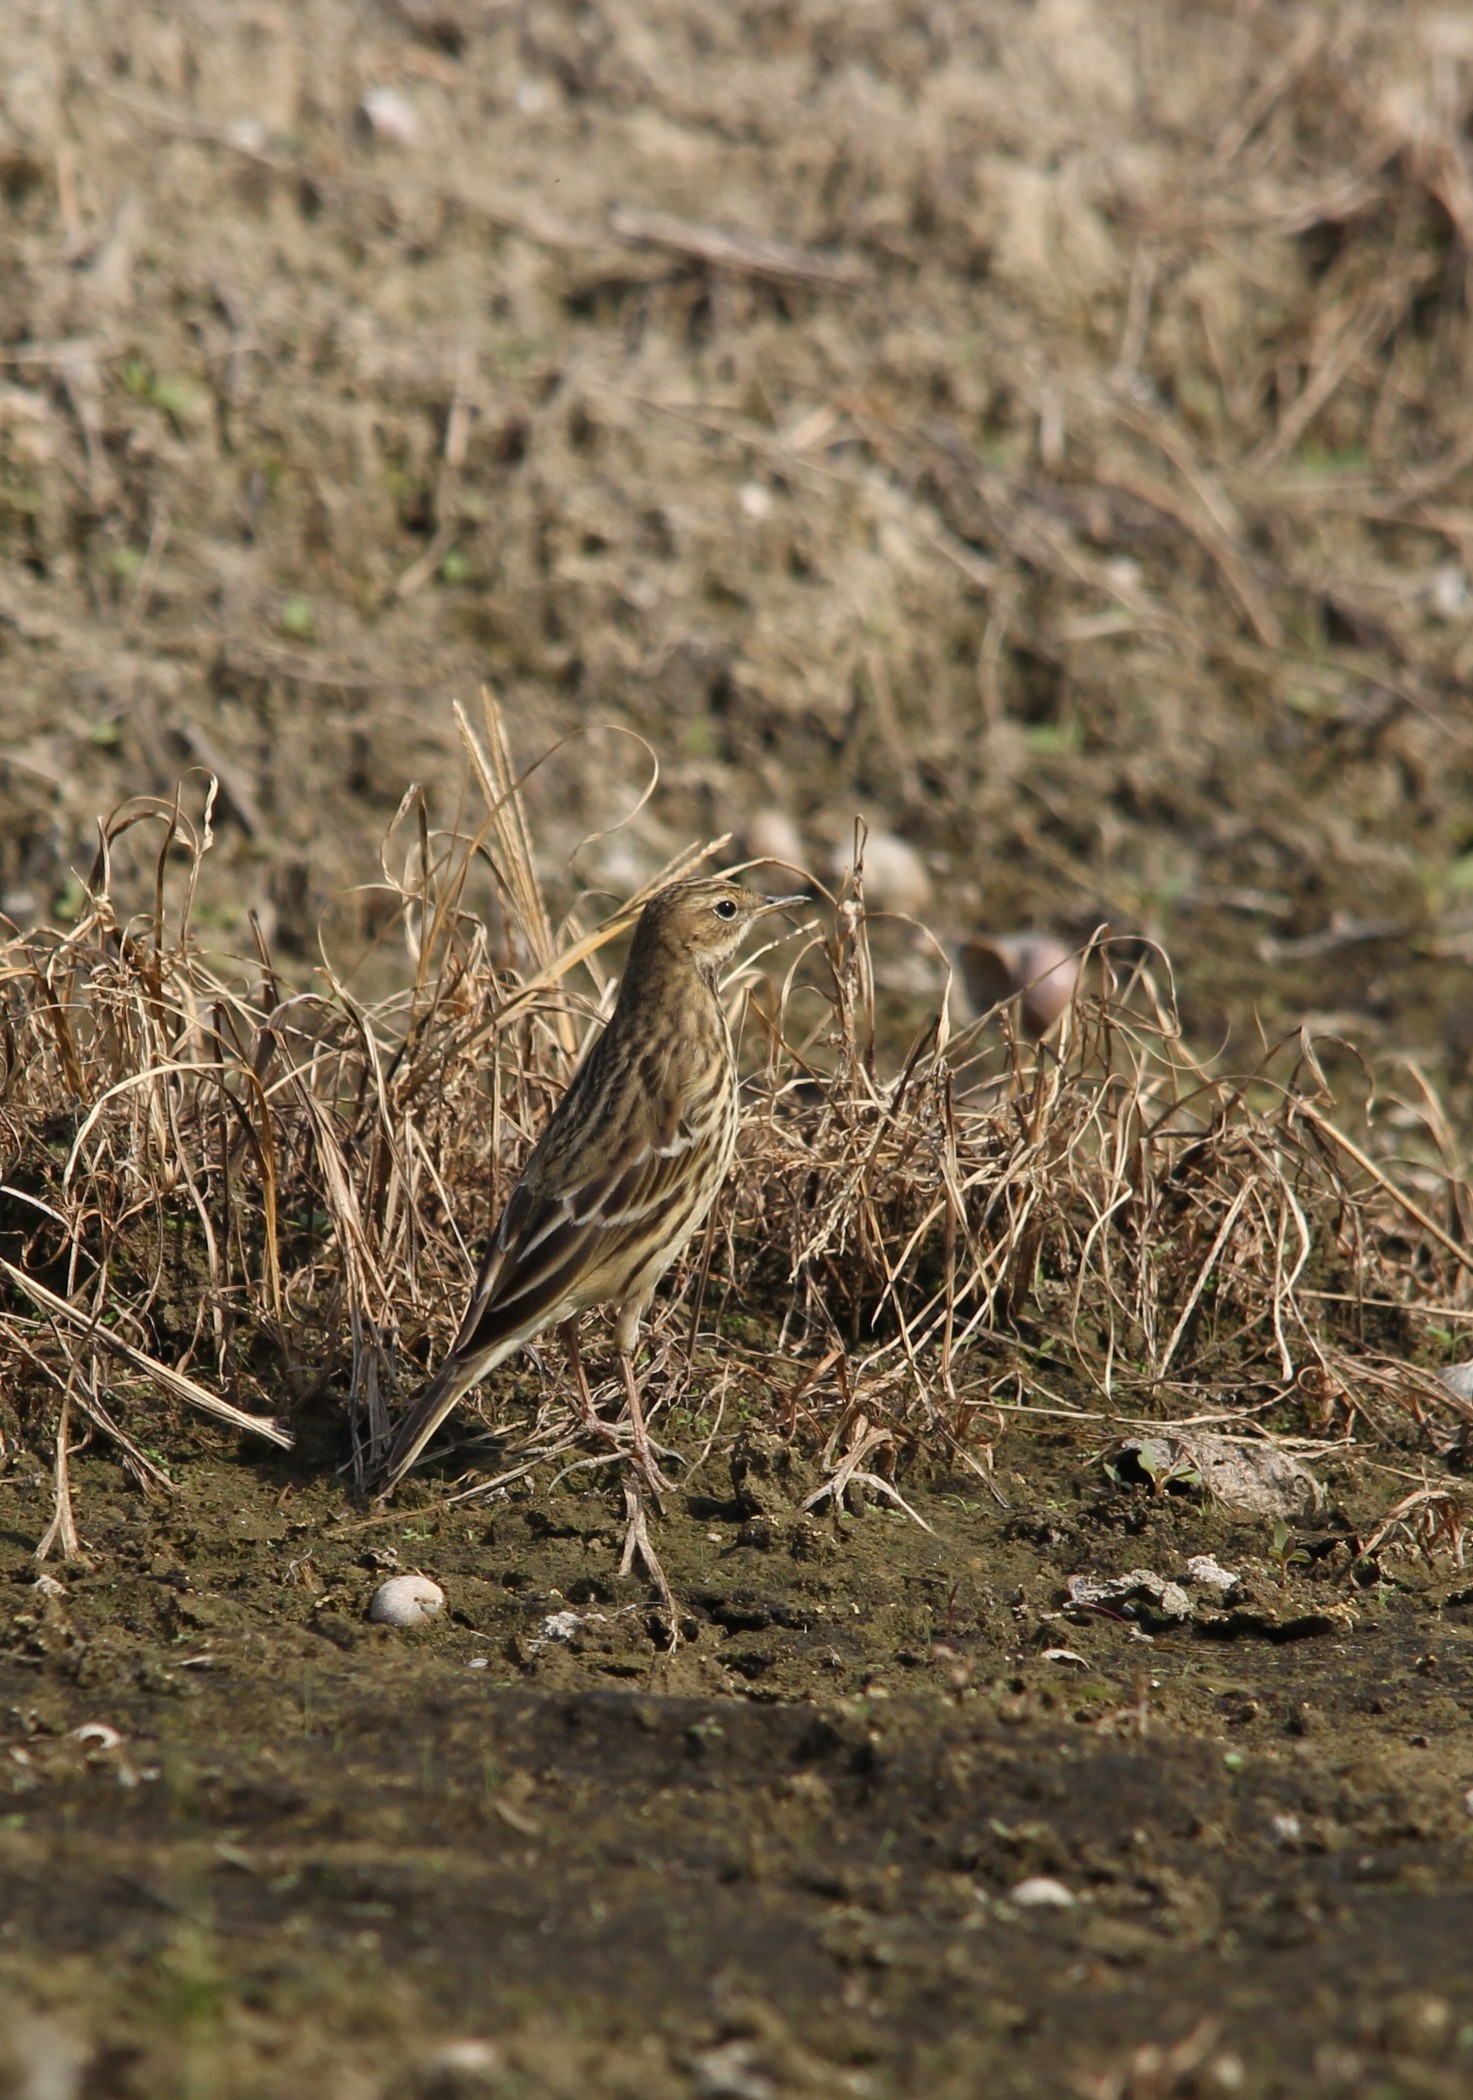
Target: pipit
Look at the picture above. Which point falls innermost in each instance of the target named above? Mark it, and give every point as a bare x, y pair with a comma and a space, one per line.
623, 1174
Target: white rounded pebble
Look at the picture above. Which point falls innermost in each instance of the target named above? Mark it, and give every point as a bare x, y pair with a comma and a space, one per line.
468, 2056
390, 117
1041, 1892
405, 1600
561, 1626
248, 134
97, 1734
1449, 592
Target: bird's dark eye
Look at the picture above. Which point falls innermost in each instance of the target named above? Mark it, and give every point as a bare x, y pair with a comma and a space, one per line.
724, 908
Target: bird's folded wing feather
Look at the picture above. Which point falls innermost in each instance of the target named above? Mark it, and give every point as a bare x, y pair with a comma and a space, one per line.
554, 1231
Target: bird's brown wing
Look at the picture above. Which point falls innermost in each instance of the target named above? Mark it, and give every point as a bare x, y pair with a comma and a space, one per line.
602, 1229
558, 1231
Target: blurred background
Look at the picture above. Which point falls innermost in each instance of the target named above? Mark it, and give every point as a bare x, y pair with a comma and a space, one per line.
1043, 430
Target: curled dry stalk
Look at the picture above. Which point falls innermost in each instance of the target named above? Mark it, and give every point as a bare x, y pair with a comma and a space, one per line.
1432, 1518
243, 1199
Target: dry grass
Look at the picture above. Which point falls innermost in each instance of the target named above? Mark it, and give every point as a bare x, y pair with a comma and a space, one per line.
257, 1205
1057, 443
1157, 1239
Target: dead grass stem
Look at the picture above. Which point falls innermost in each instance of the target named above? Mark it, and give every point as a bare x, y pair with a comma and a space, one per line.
244, 1200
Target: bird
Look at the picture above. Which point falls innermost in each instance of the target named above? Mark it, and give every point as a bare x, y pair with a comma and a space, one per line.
624, 1173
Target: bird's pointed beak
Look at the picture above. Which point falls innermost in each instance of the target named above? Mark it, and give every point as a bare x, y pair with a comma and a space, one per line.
782, 903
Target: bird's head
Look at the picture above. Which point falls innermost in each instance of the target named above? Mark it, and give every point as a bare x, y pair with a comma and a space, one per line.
705, 920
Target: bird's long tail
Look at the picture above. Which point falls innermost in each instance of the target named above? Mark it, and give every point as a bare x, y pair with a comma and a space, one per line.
455, 1377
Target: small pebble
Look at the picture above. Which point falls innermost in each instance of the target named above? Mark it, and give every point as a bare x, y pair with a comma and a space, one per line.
729, 2072
405, 1600
97, 1734
895, 877
477, 2058
40, 2059
248, 134
994, 967
390, 117
1041, 1892
1449, 592
771, 840
560, 1626
480, 1662
1458, 1378
1204, 1570
1416, 2023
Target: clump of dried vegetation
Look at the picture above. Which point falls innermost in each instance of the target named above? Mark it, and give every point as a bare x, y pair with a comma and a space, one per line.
262, 1205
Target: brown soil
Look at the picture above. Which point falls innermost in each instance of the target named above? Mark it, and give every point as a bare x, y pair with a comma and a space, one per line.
1083, 493
779, 1860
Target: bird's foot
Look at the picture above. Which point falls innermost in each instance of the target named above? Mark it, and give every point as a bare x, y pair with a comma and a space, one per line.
621, 1435
593, 1424
637, 1546
646, 1465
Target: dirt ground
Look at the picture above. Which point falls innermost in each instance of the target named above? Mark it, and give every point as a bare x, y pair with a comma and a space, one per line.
252, 1844
1041, 430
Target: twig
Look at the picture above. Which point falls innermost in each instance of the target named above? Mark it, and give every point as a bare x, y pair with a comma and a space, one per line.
1375, 317
173, 1382
1276, 82
1342, 932
67, 350
1398, 1196
62, 1530
1224, 1234
158, 540
1231, 563
849, 1467
745, 254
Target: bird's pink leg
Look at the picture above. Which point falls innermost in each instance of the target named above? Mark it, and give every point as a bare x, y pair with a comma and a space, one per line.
644, 1454
569, 1333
